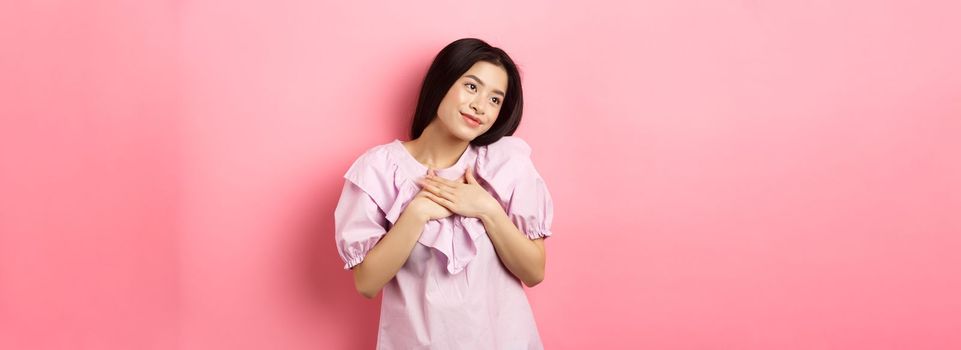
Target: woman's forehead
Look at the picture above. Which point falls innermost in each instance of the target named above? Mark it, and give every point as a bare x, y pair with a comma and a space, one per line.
491, 75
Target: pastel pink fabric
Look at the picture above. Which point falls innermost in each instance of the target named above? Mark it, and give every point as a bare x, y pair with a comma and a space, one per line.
453, 292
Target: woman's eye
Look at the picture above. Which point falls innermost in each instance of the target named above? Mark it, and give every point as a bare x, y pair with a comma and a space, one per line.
471, 86
496, 100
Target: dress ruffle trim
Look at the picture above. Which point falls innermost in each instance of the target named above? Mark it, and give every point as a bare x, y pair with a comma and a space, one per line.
458, 246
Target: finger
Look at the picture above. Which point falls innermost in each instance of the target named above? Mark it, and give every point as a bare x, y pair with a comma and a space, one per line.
440, 182
439, 200
469, 175
442, 179
426, 183
438, 190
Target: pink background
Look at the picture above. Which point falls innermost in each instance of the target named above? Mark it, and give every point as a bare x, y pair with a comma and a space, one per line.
726, 174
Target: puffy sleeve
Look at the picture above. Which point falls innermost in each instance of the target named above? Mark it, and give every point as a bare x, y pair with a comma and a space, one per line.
531, 207
509, 173
359, 220
358, 224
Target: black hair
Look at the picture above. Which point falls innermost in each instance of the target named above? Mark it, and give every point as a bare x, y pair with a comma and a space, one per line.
452, 62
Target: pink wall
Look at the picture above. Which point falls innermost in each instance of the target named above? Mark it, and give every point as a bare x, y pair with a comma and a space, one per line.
90, 176
749, 175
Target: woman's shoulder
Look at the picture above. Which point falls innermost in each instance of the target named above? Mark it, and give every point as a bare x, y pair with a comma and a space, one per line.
508, 147
371, 164
505, 161
376, 152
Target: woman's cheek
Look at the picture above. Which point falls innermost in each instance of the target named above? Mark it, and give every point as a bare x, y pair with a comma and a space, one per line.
465, 97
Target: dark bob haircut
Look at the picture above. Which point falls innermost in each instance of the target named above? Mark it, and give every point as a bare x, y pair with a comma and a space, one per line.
452, 62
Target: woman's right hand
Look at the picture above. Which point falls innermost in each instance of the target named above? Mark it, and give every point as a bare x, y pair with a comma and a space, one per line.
427, 208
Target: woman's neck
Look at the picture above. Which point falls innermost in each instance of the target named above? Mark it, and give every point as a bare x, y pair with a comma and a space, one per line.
435, 149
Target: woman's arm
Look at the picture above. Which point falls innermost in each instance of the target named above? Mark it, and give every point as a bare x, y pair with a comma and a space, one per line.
524, 257
383, 261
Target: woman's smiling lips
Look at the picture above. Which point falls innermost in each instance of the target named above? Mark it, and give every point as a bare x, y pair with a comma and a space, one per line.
471, 120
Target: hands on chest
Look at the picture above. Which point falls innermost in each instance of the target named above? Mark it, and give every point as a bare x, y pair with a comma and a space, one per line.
463, 196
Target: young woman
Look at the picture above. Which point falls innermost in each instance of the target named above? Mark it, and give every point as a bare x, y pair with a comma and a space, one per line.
451, 223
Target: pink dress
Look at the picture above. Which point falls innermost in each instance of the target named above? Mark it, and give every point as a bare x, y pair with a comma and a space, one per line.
453, 292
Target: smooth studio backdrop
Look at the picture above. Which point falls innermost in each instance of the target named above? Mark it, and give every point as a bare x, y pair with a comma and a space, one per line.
726, 174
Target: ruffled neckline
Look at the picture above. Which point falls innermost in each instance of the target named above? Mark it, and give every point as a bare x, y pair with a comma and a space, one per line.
416, 169
454, 236
389, 174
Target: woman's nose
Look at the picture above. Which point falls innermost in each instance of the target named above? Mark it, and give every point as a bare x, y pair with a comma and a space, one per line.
473, 105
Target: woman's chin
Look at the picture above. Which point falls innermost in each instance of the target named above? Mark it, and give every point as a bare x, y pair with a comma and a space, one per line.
469, 135
463, 134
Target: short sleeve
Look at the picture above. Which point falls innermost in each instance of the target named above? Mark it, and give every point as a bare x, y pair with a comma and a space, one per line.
358, 224
506, 166
531, 207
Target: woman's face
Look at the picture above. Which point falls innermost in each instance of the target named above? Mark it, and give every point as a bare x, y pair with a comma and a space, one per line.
477, 95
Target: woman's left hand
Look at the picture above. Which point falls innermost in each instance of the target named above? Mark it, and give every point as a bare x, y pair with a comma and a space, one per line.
463, 198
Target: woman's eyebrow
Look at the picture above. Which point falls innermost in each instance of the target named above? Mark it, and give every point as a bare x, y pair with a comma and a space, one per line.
482, 83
